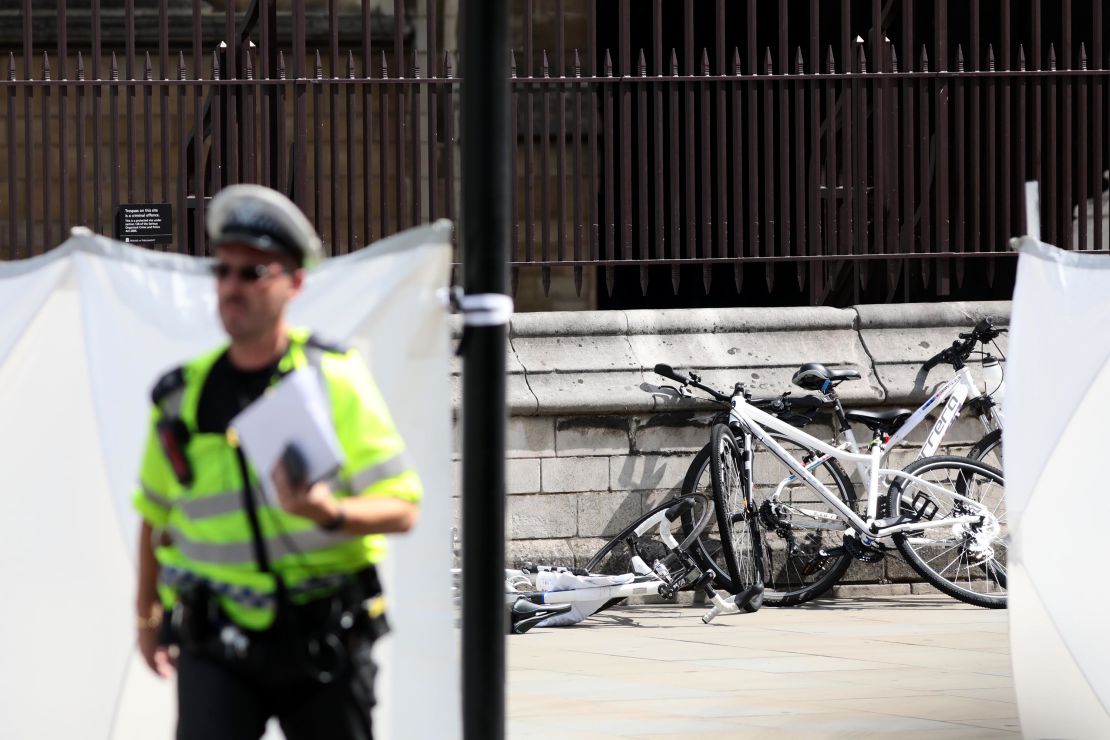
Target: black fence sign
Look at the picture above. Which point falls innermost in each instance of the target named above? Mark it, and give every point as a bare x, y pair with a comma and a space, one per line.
144, 223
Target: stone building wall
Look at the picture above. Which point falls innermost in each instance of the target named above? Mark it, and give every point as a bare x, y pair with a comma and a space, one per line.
590, 447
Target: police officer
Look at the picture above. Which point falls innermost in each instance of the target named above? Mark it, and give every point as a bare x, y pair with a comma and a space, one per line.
270, 609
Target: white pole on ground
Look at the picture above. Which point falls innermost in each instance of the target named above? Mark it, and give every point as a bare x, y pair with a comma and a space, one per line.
1033, 209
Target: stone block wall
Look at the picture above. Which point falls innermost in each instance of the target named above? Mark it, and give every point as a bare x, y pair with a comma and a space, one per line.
592, 443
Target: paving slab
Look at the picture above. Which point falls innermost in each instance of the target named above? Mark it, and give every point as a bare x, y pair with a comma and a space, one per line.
912, 666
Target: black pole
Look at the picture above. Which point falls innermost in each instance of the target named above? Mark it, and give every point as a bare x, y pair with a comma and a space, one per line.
484, 67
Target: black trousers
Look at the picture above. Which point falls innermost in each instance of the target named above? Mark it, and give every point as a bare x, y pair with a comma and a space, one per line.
222, 700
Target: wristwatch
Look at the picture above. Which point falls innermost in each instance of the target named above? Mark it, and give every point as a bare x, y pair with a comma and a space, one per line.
336, 522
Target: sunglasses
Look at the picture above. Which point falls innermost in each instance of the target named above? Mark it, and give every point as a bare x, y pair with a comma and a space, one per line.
249, 274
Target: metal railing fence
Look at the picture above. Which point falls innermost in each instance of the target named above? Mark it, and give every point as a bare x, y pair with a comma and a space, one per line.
860, 142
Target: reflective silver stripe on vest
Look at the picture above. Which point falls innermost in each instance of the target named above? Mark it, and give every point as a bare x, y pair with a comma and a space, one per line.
156, 498
224, 502
278, 546
377, 472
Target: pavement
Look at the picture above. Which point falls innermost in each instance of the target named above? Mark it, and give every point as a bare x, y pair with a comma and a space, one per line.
917, 666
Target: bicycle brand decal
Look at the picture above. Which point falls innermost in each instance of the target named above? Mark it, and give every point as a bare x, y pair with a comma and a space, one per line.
947, 416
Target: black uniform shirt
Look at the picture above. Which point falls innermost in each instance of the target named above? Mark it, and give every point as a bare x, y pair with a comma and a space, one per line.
227, 391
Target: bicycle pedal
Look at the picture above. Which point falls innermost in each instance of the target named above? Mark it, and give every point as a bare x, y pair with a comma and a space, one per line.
924, 506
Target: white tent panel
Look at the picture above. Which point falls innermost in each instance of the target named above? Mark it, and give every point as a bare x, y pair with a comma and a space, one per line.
139, 321
1062, 308
147, 705
76, 365
1061, 704
22, 294
65, 631
1062, 535
1058, 391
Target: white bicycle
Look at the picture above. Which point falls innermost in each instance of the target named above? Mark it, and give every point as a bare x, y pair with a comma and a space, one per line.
945, 514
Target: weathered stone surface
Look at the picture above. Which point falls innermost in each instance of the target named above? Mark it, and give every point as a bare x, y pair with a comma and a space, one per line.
518, 395
584, 549
863, 572
733, 320
678, 432
606, 513
590, 393
925, 315
592, 435
647, 472
522, 476
531, 436
568, 324
572, 474
570, 354
544, 516
898, 569
870, 591
539, 552
655, 498
900, 338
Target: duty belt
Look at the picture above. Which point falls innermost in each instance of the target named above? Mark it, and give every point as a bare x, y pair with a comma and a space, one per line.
179, 579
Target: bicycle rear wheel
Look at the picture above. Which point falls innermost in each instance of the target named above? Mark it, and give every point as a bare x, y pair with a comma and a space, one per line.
741, 548
966, 561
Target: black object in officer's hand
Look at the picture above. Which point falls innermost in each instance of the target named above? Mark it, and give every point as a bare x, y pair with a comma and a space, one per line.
295, 464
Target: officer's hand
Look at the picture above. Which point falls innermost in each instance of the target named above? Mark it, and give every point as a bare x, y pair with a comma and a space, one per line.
156, 656
314, 502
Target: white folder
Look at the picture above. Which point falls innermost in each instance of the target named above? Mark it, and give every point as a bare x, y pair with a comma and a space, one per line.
295, 411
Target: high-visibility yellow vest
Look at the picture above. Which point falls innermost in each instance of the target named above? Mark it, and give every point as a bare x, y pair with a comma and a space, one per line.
206, 523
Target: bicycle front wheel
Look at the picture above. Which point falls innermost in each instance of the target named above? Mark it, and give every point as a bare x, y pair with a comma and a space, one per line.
989, 450
796, 524
741, 548
967, 560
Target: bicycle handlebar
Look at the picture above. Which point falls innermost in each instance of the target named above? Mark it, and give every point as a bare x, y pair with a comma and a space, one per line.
777, 404
693, 379
957, 354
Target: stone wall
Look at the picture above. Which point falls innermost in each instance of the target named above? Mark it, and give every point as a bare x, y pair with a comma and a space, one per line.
590, 446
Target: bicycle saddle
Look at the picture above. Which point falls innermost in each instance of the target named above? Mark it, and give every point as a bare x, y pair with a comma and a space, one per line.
880, 421
813, 376
524, 615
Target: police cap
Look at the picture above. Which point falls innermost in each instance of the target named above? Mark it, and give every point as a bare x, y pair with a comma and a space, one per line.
264, 219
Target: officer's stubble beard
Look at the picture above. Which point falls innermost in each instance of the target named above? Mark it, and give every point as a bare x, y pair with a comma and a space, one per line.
253, 314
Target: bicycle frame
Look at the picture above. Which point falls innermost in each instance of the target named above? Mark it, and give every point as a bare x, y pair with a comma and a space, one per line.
753, 421
953, 393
